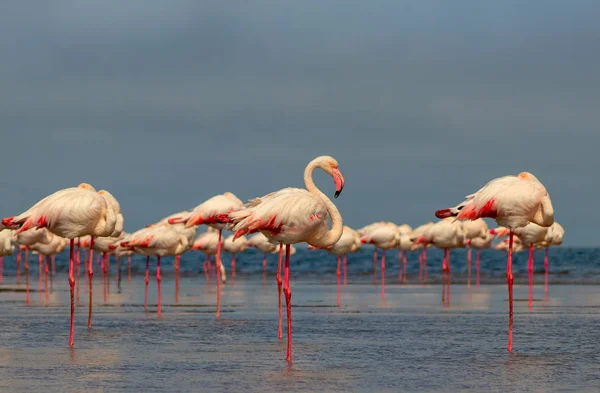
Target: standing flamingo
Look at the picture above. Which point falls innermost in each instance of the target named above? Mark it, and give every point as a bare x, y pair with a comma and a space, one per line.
26, 239
159, 241
473, 229
69, 213
234, 247
530, 235
384, 237
405, 244
7, 247
364, 231
208, 242
294, 215
479, 243
55, 246
554, 237
264, 245
421, 238
213, 212
514, 202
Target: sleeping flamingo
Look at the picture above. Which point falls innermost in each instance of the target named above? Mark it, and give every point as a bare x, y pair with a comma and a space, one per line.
514, 202
554, 237
234, 247
213, 212
479, 243
384, 237
7, 246
294, 215
69, 213
476, 229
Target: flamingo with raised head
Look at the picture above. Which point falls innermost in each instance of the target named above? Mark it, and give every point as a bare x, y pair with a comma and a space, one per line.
294, 215
69, 213
514, 202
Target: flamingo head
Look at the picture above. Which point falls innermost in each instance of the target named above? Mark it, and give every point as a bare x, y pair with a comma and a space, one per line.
528, 176
330, 166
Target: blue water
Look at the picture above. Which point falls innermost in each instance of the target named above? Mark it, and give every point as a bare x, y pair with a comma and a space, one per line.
405, 341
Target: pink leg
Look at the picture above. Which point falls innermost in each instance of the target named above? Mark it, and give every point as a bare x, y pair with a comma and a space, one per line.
46, 271
288, 302
158, 279
72, 286
469, 268
233, 270
546, 274
219, 274
27, 298
425, 265
444, 277
207, 268
530, 270
78, 258
147, 281
449, 275
40, 274
339, 275
53, 265
1, 269
280, 307
345, 266
177, 266
375, 258
404, 262
382, 273
510, 279
477, 262
104, 269
421, 265
265, 270
19, 266
129, 268
400, 265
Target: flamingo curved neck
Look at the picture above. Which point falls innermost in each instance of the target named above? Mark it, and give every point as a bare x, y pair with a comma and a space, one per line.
333, 235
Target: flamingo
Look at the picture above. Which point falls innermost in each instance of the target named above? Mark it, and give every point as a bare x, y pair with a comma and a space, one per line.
364, 231
208, 242
7, 246
26, 239
554, 237
421, 239
480, 243
264, 245
473, 229
384, 237
530, 235
514, 202
405, 244
234, 247
53, 247
69, 213
213, 212
294, 215
159, 241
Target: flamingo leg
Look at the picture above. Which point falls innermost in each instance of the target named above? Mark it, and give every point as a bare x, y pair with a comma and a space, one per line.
424, 265
78, 257
530, 270
404, 262
103, 265
118, 260
207, 268
53, 265
477, 264
400, 265
546, 274
444, 278
1, 269
158, 279
339, 275
288, 302
40, 275
233, 270
46, 264
19, 266
90, 279
129, 268
265, 270
218, 262
177, 267
27, 298
421, 265
449, 276
280, 308
510, 279
382, 273
375, 258
345, 266
469, 267
147, 281
72, 287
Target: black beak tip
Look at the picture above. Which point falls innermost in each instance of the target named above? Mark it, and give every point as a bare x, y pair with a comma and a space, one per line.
337, 194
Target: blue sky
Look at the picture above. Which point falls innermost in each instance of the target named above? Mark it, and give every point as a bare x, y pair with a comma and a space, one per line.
166, 103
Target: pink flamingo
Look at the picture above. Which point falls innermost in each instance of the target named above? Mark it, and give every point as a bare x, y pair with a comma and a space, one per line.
208, 242
213, 212
7, 246
405, 244
26, 239
473, 229
384, 237
234, 247
55, 246
479, 243
365, 231
159, 241
294, 215
514, 202
264, 245
554, 237
530, 235
421, 238
69, 213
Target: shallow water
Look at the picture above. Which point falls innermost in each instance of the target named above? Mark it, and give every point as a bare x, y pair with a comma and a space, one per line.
406, 341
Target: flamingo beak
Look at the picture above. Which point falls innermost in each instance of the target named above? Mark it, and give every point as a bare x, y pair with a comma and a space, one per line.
339, 181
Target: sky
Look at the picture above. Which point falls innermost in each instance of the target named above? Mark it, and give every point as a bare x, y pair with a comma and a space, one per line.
166, 103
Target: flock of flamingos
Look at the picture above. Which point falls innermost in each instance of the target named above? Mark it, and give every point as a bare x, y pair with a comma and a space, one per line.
86, 219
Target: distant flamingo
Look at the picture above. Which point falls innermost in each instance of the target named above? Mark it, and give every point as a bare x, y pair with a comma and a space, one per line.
514, 202
26, 239
264, 245
234, 247
554, 237
364, 231
294, 215
480, 243
421, 238
384, 237
7, 246
208, 243
531, 234
55, 246
405, 244
473, 229
213, 212
69, 213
